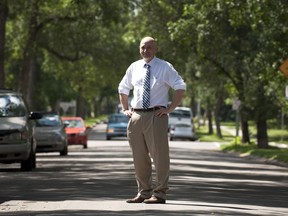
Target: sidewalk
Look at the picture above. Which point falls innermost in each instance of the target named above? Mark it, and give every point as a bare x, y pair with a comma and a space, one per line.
233, 132
172, 208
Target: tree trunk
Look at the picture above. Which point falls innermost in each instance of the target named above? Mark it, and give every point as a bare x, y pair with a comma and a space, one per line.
217, 114
245, 131
244, 112
262, 137
262, 107
27, 79
80, 104
3, 17
209, 117
96, 107
27, 74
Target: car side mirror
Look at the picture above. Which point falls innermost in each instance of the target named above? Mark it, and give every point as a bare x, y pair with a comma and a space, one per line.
35, 115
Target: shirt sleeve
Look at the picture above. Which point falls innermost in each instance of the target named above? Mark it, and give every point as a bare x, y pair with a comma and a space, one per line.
175, 80
125, 85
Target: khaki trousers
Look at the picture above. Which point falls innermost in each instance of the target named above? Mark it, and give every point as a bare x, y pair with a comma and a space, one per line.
148, 138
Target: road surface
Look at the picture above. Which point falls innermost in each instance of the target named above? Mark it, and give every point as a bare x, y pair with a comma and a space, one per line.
98, 180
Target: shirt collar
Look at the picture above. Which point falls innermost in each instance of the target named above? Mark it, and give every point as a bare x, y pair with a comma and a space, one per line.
150, 62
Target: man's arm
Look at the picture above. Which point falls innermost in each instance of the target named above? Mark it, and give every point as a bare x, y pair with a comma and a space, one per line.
124, 101
125, 105
177, 97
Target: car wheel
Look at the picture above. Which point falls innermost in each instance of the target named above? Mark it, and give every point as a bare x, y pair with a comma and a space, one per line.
108, 138
34, 161
29, 163
64, 152
171, 138
85, 146
193, 139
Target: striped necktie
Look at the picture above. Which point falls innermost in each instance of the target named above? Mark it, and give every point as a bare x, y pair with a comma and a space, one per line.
146, 88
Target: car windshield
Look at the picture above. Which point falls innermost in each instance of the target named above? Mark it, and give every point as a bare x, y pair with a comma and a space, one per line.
182, 125
118, 119
48, 121
12, 106
74, 123
180, 114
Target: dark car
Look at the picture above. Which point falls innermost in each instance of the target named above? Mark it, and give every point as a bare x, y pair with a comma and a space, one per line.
117, 126
17, 142
50, 134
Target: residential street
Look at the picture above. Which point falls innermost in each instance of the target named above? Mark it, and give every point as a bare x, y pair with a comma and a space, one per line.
98, 180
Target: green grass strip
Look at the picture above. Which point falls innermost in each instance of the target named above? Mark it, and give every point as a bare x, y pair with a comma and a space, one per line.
271, 153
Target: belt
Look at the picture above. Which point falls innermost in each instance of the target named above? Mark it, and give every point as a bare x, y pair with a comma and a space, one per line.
148, 109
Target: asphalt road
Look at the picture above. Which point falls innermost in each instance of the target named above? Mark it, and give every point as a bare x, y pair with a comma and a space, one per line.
98, 180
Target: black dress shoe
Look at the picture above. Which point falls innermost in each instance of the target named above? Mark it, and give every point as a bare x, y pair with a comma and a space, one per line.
155, 200
137, 199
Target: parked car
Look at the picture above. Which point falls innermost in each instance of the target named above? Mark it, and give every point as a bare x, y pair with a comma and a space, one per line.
180, 115
182, 131
50, 134
17, 142
76, 131
117, 126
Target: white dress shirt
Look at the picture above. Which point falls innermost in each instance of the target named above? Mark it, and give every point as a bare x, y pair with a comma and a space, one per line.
162, 77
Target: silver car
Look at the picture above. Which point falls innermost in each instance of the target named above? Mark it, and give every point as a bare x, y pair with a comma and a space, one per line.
182, 131
50, 134
17, 143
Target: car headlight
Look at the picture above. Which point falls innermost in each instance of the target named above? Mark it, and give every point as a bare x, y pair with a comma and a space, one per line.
110, 130
14, 136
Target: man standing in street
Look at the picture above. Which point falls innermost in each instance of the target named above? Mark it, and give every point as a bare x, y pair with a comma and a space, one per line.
150, 79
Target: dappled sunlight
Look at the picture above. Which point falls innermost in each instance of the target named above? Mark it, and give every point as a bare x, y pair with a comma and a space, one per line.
116, 207
98, 180
193, 180
222, 167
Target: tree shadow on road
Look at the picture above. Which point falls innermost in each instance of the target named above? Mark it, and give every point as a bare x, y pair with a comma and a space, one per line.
207, 177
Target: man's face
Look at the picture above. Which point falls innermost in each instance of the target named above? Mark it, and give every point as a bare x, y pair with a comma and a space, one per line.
148, 49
